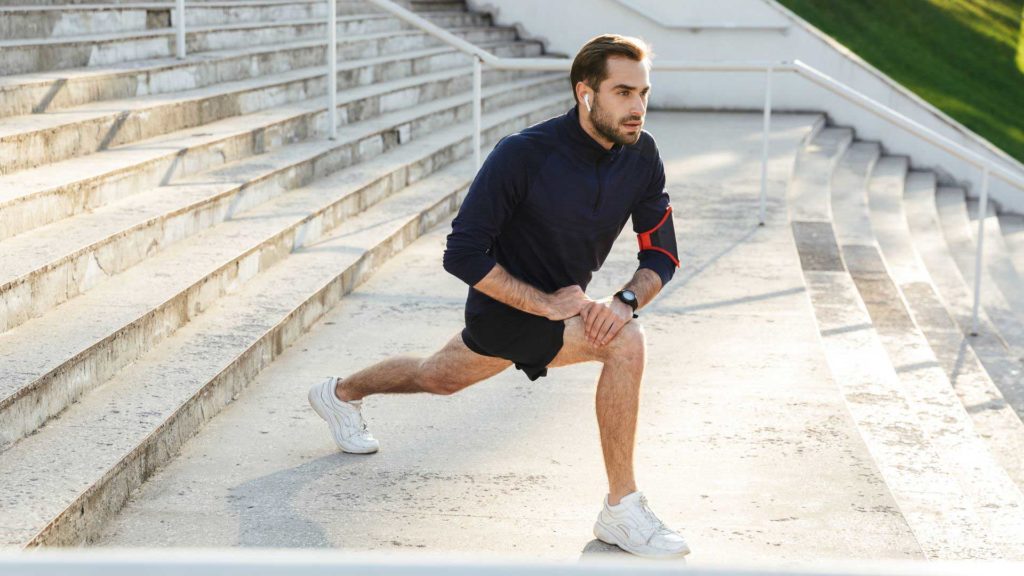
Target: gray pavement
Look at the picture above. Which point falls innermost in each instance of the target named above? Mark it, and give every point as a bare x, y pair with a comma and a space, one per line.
744, 443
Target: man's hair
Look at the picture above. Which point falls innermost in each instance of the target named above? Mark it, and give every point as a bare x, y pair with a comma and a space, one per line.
591, 63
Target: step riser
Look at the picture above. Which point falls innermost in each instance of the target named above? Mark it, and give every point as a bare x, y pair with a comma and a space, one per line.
34, 57
222, 40
15, 24
208, 16
50, 145
40, 209
35, 97
84, 517
53, 392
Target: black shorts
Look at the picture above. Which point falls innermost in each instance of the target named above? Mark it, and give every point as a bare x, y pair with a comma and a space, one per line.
530, 341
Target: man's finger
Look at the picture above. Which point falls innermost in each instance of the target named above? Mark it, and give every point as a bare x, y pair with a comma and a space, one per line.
606, 322
589, 320
612, 332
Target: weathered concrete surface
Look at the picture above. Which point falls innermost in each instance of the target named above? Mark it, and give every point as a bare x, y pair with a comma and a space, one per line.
744, 442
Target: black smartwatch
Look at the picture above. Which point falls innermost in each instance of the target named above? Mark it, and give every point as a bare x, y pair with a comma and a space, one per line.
629, 298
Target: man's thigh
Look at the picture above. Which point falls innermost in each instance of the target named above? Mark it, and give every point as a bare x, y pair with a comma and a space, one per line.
575, 347
457, 366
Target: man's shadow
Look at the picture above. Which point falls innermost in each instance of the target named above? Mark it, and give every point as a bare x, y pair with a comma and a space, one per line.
597, 551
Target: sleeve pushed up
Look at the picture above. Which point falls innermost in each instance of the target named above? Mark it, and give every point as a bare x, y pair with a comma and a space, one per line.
652, 222
498, 187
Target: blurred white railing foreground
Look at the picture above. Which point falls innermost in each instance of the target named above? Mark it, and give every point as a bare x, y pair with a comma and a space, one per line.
307, 562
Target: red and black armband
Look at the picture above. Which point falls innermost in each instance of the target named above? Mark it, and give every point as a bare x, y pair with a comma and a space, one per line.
661, 238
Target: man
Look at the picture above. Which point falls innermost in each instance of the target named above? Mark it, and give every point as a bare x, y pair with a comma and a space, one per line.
539, 218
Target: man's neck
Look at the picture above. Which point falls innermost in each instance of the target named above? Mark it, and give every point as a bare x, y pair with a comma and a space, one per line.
588, 127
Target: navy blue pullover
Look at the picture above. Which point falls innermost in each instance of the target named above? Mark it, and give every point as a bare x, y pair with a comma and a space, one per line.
548, 204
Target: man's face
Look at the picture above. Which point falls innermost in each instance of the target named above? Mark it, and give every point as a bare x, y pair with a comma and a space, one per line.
620, 104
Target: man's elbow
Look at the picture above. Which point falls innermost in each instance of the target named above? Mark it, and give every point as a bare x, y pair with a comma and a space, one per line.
470, 268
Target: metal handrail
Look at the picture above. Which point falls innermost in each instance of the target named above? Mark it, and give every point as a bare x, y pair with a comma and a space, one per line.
179, 25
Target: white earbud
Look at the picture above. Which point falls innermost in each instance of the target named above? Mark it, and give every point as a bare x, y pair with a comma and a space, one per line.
586, 100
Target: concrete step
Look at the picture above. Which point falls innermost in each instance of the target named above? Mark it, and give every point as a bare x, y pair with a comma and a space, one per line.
947, 428
992, 416
39, 139
951, 205
38, 383
35, 197
24, 56
37, 92
140, 418
19, 21
59, 21
930, 243
926, 491
815, 165
997, 259
1012, 227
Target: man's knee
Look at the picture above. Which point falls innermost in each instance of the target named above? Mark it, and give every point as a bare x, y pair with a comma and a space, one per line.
629, 344
434, 380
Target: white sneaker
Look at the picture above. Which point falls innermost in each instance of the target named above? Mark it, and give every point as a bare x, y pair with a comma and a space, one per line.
632, 526
344, 418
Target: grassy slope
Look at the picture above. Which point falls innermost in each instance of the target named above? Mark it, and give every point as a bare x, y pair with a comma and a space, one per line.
966, 57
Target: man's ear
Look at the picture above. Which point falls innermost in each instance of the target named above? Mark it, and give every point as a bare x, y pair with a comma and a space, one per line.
585, 94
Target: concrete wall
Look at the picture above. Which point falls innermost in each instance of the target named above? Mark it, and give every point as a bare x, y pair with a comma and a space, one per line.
756, 30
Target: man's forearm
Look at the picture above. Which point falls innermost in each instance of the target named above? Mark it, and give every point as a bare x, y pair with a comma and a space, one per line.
645, 284
508, 289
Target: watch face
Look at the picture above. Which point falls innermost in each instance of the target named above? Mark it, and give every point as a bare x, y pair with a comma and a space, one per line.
628, 295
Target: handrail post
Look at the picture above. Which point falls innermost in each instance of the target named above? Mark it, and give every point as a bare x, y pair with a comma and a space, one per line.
982, 214
764, 141
332, 69
477, 108
179, 24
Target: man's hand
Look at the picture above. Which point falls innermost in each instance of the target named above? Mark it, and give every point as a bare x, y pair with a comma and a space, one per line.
565, 303
604, 318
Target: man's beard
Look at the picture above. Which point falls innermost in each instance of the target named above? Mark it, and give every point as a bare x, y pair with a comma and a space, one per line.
608, 127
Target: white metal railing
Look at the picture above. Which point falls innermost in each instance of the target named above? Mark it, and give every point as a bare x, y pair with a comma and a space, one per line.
801, 69
179, 26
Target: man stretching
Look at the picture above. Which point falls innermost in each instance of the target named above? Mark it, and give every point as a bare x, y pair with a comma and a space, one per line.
539, 218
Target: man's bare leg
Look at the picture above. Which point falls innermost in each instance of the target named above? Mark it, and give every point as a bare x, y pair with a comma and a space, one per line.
617, 397
447, 371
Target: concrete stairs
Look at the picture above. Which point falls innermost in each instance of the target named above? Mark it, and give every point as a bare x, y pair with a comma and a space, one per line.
162, 243
939, 410
168, 229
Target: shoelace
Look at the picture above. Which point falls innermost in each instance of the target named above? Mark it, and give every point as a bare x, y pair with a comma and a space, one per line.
359, 414
659, 526
358, 405
362, 423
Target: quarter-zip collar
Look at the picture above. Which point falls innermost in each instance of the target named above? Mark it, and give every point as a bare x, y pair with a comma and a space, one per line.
583, 144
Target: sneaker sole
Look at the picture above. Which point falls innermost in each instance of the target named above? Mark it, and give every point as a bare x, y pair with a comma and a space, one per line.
608, 537
318, 404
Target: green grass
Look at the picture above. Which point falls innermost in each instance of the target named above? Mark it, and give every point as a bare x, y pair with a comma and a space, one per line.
965, 57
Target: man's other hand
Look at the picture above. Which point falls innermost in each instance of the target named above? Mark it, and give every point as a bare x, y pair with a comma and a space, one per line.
604, 318
566, 302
